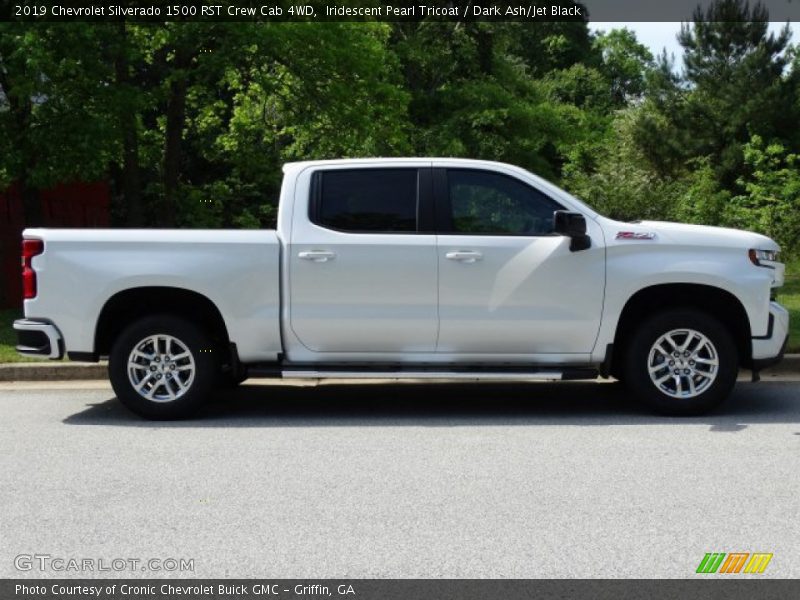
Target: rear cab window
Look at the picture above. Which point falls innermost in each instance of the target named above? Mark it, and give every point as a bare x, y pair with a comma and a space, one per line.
366, 200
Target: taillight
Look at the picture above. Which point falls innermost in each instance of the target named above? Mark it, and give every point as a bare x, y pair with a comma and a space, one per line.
30, 248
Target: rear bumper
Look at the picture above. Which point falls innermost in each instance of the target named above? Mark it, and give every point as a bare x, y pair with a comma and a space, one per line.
38, 338
768, 349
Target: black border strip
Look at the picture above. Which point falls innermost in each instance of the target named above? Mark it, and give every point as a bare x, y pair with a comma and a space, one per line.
730, 587
254, 11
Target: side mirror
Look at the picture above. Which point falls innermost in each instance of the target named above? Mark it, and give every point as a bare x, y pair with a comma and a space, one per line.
573, 226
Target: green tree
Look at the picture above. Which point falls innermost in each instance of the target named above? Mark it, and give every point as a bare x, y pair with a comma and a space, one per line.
53, 108
703, 202
477, 90
618, 181
278, 101
732, 87
771, 202
550, 45
625, 63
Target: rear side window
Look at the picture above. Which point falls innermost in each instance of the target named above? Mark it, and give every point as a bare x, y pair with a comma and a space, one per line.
366, 200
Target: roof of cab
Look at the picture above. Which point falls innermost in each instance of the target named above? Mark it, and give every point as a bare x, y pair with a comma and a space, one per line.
399, 160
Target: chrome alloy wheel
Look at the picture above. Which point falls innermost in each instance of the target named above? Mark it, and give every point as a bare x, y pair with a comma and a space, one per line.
683, 363
161, 368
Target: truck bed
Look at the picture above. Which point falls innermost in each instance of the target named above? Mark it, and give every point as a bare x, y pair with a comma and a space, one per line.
238, 270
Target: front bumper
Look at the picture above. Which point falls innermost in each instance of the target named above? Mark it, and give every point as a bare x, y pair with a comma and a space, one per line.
769, 349
38, 338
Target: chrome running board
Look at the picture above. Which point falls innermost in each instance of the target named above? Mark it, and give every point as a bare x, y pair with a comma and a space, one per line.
460, 375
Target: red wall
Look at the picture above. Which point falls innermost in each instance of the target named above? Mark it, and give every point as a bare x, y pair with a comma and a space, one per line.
65, 205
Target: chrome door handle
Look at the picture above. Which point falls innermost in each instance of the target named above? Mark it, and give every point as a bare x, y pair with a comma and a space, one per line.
317, 255
467, 256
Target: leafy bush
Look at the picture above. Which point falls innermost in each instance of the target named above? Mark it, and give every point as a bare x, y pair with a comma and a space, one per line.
771, 204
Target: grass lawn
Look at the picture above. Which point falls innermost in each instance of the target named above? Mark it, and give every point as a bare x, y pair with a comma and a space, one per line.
8, 337
789, 297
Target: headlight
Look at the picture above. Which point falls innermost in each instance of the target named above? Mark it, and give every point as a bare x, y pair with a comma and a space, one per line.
757, 257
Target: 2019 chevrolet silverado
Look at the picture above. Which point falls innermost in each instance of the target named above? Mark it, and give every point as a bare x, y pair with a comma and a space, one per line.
409, 268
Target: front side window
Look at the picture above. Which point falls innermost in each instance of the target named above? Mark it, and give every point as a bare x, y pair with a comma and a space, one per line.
367, 200
482, 202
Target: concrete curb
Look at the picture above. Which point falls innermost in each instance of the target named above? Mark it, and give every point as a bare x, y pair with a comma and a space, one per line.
52, 371
789, 364
74, 371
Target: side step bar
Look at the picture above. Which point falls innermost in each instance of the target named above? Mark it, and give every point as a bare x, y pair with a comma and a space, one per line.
471, 375
541, 376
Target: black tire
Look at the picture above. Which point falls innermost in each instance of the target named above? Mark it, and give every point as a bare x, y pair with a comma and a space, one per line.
673, 396
173, 372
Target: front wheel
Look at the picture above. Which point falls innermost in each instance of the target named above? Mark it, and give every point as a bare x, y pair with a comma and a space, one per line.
162, 367
681, 362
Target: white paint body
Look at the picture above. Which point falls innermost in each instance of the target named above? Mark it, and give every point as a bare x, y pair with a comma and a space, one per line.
401, 298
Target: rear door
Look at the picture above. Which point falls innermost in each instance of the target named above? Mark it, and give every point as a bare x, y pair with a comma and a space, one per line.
363, 272
507, 285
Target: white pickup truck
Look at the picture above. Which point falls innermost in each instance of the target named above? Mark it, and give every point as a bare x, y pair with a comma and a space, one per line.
409, 268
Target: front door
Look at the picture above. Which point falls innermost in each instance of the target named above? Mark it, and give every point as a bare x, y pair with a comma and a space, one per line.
507, 285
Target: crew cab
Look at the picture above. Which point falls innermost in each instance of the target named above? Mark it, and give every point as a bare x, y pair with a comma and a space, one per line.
409, 268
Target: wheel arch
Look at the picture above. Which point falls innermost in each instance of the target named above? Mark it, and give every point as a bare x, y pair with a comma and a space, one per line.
715, 301
127, 306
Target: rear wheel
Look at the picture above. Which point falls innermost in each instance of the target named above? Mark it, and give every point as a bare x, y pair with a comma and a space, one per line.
162, 367
681, 362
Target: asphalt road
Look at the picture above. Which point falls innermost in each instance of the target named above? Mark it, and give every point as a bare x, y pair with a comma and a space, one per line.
389, 480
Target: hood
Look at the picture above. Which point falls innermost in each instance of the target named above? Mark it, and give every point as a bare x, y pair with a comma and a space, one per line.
692, 235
